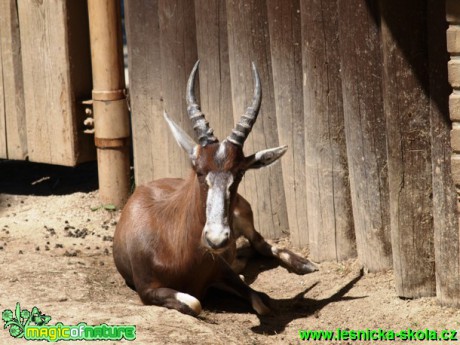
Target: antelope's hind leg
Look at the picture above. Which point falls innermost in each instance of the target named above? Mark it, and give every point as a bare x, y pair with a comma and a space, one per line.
243, 224
172, 299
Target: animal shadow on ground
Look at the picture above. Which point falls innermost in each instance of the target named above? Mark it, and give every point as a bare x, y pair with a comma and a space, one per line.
284, 310
27, 178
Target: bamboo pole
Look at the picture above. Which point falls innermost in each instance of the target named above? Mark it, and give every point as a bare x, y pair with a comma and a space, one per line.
111, 122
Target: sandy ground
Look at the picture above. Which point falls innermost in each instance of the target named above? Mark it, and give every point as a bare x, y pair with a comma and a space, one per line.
55, 253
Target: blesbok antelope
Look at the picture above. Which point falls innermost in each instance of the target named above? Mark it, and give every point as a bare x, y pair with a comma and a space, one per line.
176, 238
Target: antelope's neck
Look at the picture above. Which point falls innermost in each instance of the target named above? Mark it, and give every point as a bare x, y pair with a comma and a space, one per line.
194, 201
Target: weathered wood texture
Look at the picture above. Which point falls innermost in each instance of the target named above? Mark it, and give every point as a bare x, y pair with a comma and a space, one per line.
13, 139
445, 214
361, 67
159, 69
51, 75
248, 39
214, 75
3, 145
286, 60
407, 110
147, 123
330, 219
178, 53
80, 76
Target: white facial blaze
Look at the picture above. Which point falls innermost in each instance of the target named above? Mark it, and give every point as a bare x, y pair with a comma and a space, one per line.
221, 152
217, 230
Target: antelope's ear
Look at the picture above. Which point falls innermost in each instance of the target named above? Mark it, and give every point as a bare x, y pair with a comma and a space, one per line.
265, 158
182, 138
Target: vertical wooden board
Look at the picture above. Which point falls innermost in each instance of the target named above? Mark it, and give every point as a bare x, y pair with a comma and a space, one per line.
3, 147
330, 220
178, 55
286, 60
12, 82
249, 41
80, 74
215, 84
150, 135
445, 215
51, 133
159, 69
361, 72
407, 110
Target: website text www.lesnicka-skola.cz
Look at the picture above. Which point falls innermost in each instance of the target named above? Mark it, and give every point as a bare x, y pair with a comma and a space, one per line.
378, 335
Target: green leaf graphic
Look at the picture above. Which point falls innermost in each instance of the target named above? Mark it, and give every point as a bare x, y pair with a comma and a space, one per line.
46, 319
18, 312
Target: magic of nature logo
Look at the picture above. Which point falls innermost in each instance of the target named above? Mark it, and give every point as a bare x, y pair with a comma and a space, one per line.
34, 325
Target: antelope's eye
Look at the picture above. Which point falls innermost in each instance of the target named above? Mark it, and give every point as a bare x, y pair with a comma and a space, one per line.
201, 173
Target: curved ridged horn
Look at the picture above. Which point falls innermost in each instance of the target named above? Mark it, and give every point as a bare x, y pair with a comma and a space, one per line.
200, 125
247, 120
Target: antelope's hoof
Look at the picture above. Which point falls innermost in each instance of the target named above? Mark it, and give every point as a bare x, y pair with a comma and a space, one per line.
302, 266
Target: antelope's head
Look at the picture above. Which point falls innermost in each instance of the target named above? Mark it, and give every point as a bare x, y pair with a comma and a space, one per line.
220, 166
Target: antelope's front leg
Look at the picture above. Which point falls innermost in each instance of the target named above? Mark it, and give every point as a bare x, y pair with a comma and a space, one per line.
243, 224
171, 299
229, 281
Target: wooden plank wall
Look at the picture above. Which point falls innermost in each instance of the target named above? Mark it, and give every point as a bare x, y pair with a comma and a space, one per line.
46, 74
341, 96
